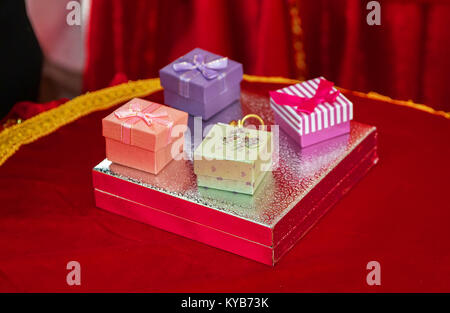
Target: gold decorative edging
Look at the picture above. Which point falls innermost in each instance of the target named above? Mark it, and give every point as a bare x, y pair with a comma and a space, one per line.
270, 79
370, 95
12, 138
297, 38
409, 103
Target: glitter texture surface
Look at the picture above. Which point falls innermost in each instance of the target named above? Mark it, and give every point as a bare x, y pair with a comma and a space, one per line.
298, 171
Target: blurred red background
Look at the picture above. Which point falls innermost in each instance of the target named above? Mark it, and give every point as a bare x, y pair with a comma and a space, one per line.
406, 57
402, 221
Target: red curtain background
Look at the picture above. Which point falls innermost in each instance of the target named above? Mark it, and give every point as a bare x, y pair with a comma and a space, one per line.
406, 57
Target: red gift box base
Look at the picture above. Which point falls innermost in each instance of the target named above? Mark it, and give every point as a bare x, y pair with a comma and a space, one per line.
242, 236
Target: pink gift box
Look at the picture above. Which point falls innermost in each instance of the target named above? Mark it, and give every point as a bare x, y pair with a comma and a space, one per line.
328, 120
263, 227
144, 135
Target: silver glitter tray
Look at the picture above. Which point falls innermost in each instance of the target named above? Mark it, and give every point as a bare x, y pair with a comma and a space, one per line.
299, 171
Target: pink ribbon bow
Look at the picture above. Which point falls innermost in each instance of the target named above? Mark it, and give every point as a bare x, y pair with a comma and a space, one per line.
135, 113
324, 93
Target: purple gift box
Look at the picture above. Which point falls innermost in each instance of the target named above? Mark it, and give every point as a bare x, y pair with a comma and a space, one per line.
312, 111
201, 83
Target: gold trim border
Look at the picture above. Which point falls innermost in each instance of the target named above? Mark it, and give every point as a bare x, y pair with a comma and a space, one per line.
12, 138
418, 106
370, 95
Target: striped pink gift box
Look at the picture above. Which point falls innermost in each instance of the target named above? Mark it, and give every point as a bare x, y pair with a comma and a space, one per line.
326, 121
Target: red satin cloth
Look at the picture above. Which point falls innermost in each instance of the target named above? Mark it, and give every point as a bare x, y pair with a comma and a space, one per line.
406, 57
397, 215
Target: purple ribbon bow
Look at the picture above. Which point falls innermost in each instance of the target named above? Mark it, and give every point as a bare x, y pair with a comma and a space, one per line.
209, 69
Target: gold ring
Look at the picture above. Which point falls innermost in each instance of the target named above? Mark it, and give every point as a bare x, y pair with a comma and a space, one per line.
240, 123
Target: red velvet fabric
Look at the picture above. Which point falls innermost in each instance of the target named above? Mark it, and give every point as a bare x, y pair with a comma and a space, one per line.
27, 109
397, 215
406, 57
